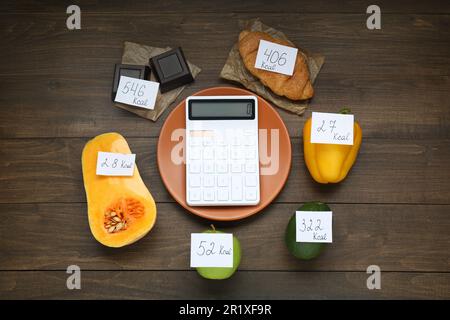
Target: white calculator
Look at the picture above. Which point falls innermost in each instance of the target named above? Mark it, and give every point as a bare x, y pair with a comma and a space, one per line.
222, 159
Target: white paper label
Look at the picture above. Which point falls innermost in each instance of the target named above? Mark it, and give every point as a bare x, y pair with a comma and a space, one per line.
211, 250
332, 128
276, 57
115, 164
137, 92
314, 226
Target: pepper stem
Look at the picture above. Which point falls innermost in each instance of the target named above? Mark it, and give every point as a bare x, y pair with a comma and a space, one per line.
345, 110
212, 226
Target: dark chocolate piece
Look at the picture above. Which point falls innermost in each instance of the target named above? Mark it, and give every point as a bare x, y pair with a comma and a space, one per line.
171, 69
128, 70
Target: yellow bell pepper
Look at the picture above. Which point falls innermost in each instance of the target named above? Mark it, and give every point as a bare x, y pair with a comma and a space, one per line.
330, 163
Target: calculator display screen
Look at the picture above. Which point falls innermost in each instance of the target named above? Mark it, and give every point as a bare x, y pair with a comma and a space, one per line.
239, 109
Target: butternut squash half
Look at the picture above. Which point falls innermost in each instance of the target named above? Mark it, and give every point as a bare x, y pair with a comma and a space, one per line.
121, 210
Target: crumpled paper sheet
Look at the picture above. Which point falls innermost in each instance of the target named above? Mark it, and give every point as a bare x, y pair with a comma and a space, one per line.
235, 70
135, 53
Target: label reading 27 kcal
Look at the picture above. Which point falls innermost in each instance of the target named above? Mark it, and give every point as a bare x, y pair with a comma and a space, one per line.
332, 128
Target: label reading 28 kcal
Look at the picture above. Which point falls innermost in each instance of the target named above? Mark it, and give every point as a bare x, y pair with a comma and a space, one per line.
115, 164
276, 58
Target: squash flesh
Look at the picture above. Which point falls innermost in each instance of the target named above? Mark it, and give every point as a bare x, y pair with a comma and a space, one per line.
103, 192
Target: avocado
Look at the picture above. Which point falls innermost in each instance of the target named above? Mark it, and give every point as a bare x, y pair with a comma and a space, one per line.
304, 250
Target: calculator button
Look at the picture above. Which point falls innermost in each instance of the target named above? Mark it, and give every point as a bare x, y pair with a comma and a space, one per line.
236, 181
221, 141
236, 154
250, 181
208, 194
236, 188
236, 167
195, 141
208, 153
250, 153
249, 141
195, 153
222, 194
195, 167
222, 180
208, 167
207, 141
249, 132
194, 180
250, 167
222, 167
250, 194
236, 194
194, 194
236, 140
208, 180
221, 153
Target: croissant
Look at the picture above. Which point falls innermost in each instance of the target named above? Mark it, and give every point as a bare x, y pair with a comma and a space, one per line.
295, 87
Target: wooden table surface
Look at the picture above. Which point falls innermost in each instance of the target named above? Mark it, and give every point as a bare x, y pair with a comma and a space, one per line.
391, 211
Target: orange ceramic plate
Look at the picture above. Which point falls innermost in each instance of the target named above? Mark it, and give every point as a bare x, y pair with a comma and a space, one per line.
173, 175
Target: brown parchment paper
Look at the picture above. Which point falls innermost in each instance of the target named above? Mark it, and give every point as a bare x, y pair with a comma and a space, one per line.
135, 53
234, 69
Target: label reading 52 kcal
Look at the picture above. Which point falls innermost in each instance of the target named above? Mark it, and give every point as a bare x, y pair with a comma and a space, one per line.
276, 57
211, 250
314, 226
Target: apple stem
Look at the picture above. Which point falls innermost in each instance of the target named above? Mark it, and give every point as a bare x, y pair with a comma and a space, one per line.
212, 226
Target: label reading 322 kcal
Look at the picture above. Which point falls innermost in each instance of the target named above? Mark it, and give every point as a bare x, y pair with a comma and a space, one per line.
314, 226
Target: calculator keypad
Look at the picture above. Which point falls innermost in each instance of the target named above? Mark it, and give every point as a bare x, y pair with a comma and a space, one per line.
223, 170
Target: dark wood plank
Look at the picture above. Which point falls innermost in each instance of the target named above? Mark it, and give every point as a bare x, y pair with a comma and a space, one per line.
387, 171
408, 44
66, 109
243, 285
411, 55
395, 237
254, 6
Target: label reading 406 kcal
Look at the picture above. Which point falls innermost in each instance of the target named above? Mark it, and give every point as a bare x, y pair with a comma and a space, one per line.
276, 57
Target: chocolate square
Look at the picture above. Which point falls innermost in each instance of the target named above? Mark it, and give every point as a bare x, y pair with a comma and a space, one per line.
171, 69
128, 70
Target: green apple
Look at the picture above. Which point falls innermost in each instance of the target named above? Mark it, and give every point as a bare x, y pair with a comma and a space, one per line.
220, 273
